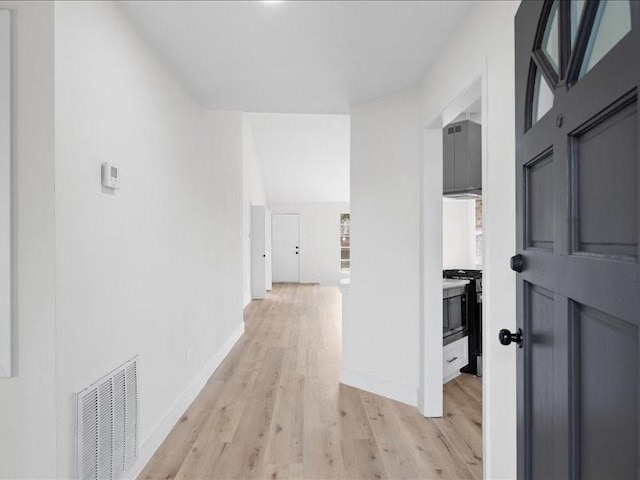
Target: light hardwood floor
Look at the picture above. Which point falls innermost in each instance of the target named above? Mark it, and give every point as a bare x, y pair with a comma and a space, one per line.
275, 409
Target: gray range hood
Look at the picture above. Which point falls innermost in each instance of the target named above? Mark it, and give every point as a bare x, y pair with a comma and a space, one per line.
462, 160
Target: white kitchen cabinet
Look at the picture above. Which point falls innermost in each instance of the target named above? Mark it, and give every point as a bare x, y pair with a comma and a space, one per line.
455, 356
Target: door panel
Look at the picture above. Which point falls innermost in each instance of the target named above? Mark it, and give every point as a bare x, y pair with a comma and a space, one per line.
285, 247
541, 329
539, 192
607, 360
606, 192
578, 228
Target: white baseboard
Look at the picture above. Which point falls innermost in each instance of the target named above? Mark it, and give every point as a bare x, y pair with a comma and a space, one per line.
149, 447
380, 386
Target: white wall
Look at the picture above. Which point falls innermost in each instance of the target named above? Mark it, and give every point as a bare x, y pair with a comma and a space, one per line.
380, 335
304, 158
27, 401
252, 194
458, 233
484, 45
319, 239
156, 268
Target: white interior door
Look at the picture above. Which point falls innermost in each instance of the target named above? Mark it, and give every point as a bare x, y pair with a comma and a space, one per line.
285, 232
258, 252
268, 266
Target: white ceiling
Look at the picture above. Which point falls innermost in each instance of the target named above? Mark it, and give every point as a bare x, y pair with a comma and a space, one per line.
303, 158
296, 56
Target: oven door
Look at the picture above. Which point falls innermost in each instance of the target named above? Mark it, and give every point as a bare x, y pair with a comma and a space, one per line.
454, 314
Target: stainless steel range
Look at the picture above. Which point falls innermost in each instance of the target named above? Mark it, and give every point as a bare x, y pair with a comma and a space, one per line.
474, 320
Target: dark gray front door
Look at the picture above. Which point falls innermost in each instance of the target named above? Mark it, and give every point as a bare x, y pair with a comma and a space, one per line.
577, 131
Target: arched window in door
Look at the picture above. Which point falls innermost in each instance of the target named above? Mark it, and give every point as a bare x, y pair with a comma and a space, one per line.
572, 37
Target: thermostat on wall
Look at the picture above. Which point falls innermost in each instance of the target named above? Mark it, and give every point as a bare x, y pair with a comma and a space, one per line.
110, 176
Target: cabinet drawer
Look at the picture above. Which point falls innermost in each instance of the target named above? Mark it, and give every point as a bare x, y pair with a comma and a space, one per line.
454, 357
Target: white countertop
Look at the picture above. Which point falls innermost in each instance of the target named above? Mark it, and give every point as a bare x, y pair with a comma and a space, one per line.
451, 283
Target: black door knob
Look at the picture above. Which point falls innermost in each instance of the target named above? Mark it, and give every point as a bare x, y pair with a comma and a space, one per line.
507, 338
517, 263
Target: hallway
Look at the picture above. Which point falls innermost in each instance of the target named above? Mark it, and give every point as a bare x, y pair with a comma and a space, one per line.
275, 409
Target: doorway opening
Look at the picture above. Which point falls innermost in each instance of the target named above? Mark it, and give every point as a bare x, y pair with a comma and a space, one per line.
462, 262
451, 331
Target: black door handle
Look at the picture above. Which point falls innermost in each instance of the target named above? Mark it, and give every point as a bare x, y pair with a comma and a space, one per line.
517, 263
507, 338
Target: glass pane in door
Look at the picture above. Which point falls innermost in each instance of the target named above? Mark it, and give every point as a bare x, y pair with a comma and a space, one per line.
542, 98
613, 22
577, 6
550, 39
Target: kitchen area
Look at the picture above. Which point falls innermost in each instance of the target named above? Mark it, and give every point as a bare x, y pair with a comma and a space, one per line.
462, 246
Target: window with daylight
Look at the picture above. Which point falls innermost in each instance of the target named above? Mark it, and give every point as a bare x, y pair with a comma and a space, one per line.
345, 242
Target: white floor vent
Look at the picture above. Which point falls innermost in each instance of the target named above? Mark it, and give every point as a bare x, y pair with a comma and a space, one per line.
107, 425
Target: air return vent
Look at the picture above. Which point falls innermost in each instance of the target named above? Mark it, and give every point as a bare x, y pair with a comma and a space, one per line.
107, 425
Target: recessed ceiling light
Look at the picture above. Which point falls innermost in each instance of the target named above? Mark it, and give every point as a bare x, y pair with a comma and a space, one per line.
272, 1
